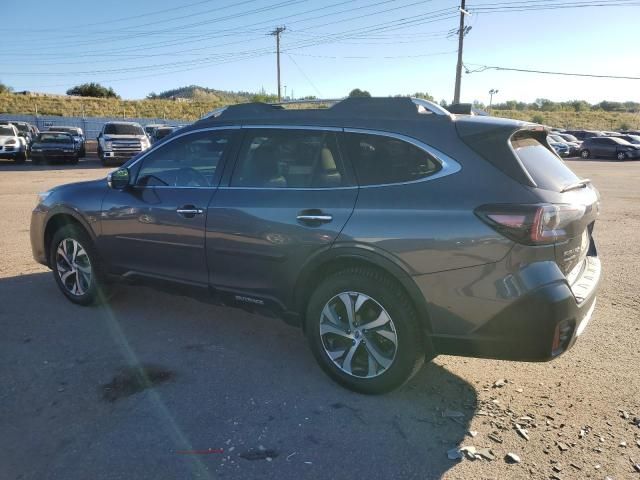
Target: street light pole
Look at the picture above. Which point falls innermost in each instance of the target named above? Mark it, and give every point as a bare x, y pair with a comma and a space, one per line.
492, 92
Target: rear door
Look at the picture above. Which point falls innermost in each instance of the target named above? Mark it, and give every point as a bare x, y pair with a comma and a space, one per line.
289, 196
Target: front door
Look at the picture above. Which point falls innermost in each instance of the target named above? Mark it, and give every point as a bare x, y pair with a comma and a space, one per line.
156, 226
289, 197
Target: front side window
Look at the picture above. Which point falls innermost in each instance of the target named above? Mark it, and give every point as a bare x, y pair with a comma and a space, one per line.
188, 161
381, 160
288, 158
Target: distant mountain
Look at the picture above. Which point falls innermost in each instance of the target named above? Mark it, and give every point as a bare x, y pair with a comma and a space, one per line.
196, 92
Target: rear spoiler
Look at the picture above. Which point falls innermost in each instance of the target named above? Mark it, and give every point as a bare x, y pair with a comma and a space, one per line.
492, 141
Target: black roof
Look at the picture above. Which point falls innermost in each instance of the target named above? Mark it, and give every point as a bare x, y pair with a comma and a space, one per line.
354, 107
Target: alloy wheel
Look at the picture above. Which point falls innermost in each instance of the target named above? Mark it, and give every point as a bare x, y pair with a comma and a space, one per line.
358, 335
73, 267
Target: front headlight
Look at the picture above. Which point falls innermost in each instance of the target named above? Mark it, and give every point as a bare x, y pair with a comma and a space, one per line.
11, 141
42, 196
108, 145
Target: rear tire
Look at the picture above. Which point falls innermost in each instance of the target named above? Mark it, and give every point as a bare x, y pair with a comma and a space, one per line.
379, 345
585, 154
76, 266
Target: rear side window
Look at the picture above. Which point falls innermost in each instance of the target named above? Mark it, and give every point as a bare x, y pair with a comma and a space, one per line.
381, 160
545, 168
284, 158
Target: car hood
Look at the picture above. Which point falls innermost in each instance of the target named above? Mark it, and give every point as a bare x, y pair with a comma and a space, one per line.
5, 138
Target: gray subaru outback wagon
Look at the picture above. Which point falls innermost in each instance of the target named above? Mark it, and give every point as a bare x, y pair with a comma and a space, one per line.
389, 229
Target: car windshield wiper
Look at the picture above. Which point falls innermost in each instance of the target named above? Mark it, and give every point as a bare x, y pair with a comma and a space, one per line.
573, 186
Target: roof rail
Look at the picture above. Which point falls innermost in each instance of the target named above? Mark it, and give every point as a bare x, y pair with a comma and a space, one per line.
359, 106
311, 101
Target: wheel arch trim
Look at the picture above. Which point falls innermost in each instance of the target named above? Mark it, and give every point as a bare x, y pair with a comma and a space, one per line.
59, 211
365, 254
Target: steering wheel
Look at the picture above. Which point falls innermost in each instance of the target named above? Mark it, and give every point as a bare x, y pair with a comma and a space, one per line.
190, 177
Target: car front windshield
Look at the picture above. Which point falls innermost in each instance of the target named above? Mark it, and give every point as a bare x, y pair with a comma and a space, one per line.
54, 137
122, 129
6, 131
70, 130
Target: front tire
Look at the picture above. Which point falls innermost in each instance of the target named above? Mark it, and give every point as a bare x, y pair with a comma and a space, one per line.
621, 156
75, 265
364, 332
585, 154
21, 157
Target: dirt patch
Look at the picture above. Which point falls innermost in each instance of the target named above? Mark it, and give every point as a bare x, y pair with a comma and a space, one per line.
135, 379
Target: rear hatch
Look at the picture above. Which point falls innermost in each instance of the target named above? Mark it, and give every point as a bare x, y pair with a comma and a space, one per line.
522, 151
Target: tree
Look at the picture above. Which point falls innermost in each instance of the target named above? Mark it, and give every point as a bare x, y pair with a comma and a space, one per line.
5, 88
423, 95
537, 118
92, 90
356, 92
152, 96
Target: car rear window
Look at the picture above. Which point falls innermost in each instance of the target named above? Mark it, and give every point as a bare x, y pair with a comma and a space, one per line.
122, 129
382, 160
544, 167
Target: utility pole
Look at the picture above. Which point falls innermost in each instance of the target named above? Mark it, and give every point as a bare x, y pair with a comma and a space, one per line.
461, 34
277, 33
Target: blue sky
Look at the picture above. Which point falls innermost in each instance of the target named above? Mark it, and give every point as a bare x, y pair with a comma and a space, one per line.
330, 46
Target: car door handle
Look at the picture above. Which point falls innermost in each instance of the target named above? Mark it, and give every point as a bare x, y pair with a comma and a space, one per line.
314, 217
189, 211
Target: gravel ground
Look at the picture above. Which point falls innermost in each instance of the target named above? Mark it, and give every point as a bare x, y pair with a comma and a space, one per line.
237, 395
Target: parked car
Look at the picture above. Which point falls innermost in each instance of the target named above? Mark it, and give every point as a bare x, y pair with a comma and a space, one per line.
609, 147
363, 223
582, 134
561, 148
25, 130
161, 132
78, 136
573, 148
119, 141
151, 128
54, 147
13, 146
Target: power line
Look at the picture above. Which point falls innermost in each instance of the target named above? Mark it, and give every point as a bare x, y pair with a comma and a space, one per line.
484, 68
305, 75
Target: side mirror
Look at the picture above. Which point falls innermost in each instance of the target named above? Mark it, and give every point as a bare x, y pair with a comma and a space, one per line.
119, 179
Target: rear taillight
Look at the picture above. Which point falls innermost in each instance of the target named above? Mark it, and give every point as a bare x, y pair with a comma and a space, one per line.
532, 224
